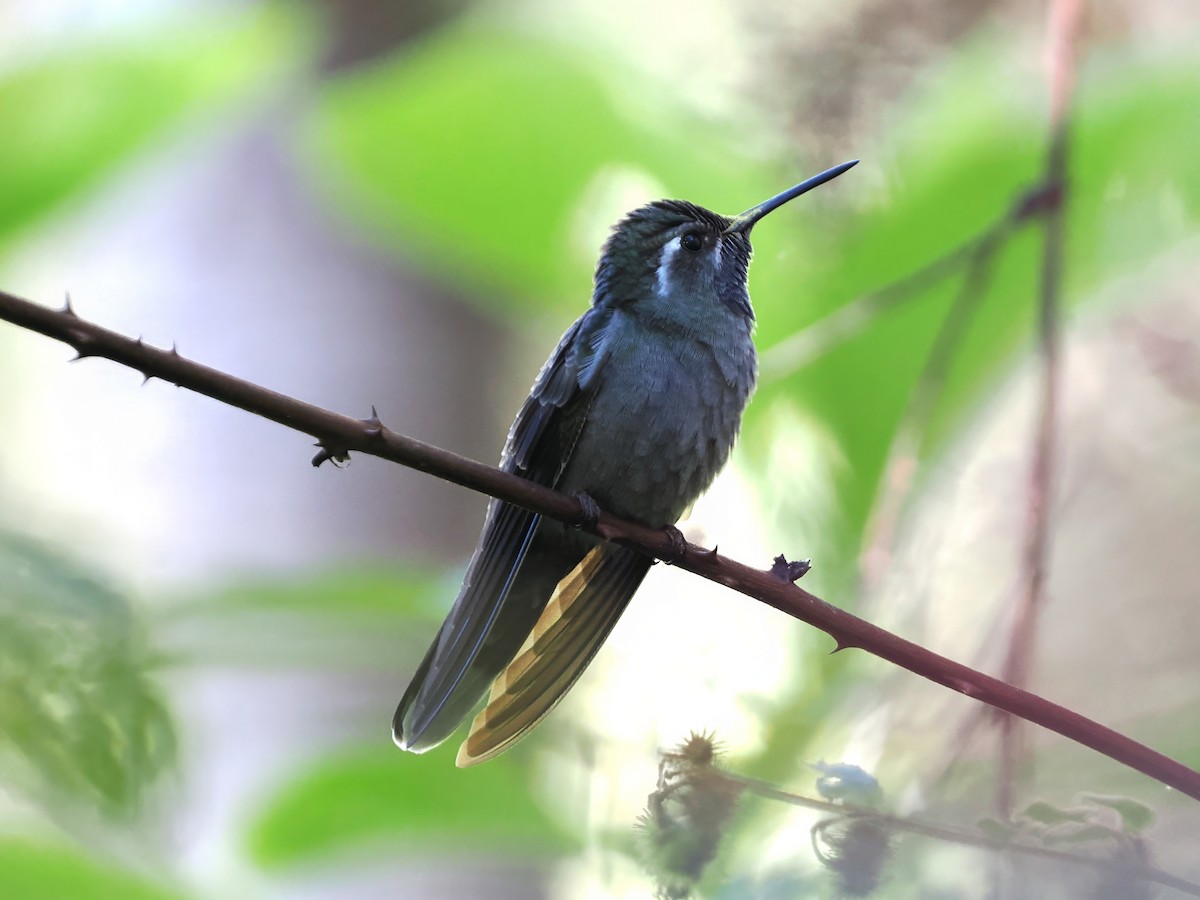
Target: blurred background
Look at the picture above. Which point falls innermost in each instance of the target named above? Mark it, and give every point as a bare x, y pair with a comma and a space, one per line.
202, 638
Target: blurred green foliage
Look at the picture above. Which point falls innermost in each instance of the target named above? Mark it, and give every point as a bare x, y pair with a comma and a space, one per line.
431, 154
40, 872
69, 120
472, 152
971, 149
82, 720
373, 797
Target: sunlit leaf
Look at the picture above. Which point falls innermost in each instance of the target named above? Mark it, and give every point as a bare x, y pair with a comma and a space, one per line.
1134, 193
404, 803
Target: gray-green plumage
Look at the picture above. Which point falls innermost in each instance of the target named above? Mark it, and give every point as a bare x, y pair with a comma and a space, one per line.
638, 407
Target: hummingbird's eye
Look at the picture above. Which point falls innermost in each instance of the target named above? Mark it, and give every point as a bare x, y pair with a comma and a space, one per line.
692, 242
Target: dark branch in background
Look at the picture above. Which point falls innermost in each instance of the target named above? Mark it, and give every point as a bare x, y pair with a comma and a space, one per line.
696, 797
951, 835
849, 319
900, 469
1062, 28
338, 435
903, 456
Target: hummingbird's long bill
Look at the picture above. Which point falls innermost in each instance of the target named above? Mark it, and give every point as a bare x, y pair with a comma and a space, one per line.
746, 220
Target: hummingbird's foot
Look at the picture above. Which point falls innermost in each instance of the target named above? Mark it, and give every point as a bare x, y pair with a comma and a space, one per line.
678, 545
589, 511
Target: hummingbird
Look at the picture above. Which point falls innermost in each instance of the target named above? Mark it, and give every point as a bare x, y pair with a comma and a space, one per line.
635, 412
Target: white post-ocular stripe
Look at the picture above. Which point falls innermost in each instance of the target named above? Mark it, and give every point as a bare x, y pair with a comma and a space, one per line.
663, 276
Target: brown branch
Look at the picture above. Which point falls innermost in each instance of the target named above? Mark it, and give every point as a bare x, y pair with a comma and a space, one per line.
338, 435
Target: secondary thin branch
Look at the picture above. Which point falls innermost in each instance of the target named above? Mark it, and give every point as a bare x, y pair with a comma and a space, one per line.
1063, 28
339, 434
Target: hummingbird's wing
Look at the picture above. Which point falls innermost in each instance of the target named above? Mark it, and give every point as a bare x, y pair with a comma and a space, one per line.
515, 568
565, 638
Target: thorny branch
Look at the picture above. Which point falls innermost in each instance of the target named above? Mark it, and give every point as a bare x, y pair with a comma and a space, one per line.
338, 435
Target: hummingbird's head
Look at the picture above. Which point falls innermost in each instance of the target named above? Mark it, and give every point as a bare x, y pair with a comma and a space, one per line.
670, 253
678, 261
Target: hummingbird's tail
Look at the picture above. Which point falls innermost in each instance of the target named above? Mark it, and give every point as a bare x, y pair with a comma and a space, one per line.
576, 621
458, 667
512, 575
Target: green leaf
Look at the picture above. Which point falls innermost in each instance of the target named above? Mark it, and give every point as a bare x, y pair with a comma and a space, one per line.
965, 156
359, 591
71, 118
81, 718
1135, 815
38, 872
346, 619
476, 149
391, 799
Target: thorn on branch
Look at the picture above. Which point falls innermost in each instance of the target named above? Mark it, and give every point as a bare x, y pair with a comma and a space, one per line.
174, 349
790, 571
83, 343
339, 457
67, 308
373, 427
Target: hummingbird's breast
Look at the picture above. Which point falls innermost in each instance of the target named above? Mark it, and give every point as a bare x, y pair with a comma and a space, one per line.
664, 418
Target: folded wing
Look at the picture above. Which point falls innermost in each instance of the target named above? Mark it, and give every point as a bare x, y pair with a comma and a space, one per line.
518, 562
